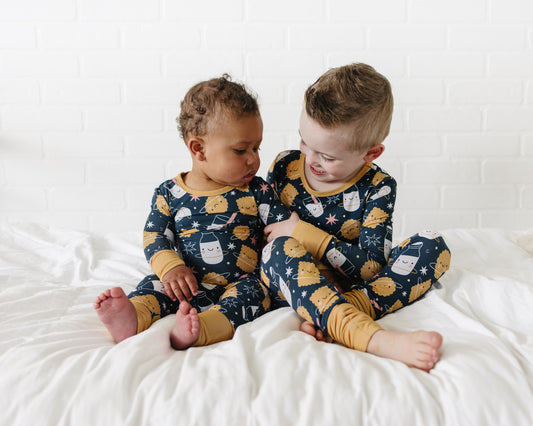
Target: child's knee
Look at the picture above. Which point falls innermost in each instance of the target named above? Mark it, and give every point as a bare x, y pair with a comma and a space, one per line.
282, 248
439, 252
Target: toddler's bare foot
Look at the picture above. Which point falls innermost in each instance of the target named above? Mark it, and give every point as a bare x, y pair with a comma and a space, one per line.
308, 328
187, 328
418, 349
117, 313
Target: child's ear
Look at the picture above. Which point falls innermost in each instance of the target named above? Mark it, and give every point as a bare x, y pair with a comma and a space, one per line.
196, 147
374, 153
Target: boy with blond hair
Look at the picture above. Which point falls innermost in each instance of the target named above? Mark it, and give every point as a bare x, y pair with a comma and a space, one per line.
339, 236
204, 232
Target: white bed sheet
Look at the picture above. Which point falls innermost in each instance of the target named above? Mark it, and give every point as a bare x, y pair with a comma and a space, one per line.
59, 366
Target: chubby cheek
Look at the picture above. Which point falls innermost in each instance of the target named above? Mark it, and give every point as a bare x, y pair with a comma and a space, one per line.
333, 170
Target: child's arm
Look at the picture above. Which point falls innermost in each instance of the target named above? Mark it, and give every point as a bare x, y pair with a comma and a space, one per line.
357, 250
363, 260
270, 208
160, 250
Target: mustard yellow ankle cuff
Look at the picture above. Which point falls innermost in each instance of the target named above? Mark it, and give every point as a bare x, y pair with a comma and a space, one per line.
214, 327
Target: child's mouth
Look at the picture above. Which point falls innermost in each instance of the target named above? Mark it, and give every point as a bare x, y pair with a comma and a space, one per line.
316, 172
249, 177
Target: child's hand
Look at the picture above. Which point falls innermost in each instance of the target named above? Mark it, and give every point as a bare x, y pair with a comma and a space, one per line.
282, 229
180, 283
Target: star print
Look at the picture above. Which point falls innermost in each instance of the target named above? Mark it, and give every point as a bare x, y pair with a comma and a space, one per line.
288, 271
253, 240
231, 246
189, 247
264, 188
150, 225
250, 289
231, 302
331, 220
333, 199
195, 224
279, 217
423, 270
195, 197
389, 206
371, 240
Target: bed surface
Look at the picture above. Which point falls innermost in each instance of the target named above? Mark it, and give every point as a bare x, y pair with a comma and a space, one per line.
59, 365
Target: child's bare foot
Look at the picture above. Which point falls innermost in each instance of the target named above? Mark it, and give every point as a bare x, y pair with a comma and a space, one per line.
418, 349
117, 313
187, 328
308, 328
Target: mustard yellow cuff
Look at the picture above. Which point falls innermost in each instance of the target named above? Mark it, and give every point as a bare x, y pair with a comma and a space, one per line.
351, 327
214, 327
148, 311
314, 239
163, 261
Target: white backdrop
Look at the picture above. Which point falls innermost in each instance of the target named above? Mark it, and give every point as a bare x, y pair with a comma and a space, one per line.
89, 91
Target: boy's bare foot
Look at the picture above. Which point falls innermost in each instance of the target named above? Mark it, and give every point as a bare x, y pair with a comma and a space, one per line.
418, 349
308, 328
187, 328
117, 313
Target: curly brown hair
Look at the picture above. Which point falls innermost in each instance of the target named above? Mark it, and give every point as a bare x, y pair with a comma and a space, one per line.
212, 100
352, 94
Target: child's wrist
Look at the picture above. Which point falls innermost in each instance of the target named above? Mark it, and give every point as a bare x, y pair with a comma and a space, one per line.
314, 239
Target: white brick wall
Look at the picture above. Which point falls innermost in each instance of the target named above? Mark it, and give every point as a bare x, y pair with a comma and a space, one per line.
89, 92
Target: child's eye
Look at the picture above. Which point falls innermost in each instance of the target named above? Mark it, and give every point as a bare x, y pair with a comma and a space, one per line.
326, 159
239, 151
257, 149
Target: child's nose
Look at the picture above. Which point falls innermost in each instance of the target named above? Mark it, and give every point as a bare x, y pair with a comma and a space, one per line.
253, 159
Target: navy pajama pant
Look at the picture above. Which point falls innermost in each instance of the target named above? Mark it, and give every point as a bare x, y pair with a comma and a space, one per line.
293, 277
240, 301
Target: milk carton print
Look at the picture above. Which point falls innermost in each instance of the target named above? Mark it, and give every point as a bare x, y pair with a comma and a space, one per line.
387, 245
210, 249
169, 234
282, 286
267, 251
177, 191
314, 206
337, 259
430, 235
220, 221
351, 201
406, 262
264, 212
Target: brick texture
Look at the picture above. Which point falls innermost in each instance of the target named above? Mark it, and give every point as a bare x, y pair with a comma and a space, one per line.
89, 91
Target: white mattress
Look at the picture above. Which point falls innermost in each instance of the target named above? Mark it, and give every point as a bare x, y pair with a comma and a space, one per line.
59, 366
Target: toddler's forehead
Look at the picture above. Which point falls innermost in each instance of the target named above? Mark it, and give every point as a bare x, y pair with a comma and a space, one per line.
226, 117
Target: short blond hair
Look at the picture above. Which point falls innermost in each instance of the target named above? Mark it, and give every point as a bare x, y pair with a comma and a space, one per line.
354, 94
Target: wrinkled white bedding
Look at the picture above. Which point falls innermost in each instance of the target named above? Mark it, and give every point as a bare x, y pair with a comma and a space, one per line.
59, 366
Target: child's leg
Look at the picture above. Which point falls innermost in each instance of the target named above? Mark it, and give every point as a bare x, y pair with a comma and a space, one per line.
125, 316
241, 302
414, 266
348, 322
288, 269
